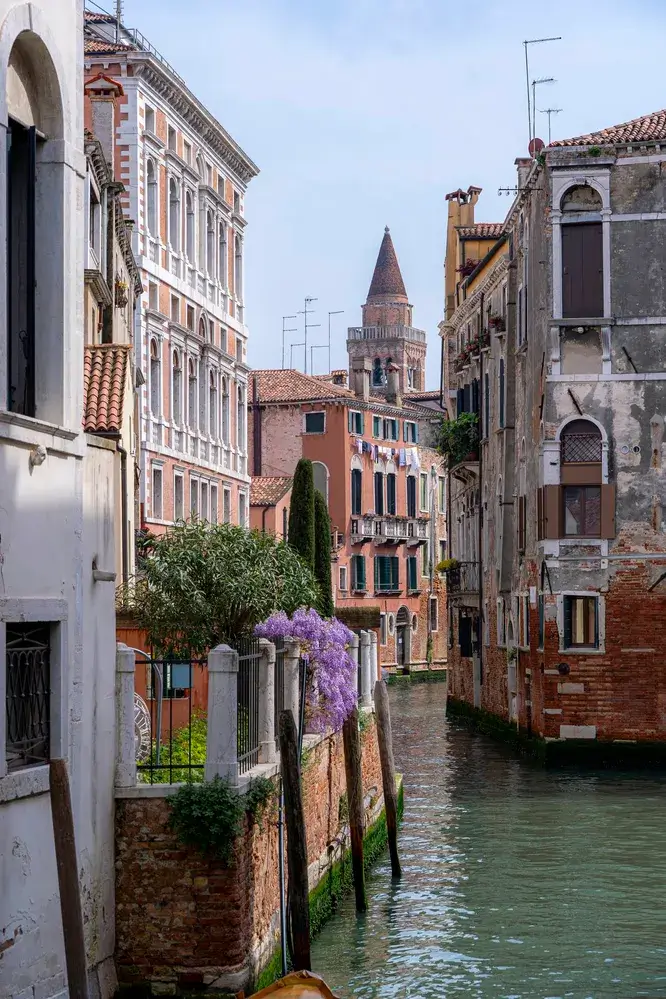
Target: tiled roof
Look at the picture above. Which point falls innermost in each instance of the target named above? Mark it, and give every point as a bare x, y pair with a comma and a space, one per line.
293, 386
267, 490
481, 230
418, 396
387, 279
94, 46
649, 128
95, 17
105, 373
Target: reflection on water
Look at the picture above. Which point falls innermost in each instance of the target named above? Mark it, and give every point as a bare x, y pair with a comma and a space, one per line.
517, 883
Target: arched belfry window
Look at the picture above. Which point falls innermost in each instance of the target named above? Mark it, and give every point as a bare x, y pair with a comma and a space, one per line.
582, 253
378, 376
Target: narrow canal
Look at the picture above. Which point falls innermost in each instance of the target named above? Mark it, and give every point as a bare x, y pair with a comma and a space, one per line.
517, 883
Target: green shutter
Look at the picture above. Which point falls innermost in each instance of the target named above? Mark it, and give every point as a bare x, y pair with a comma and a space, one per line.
377, 557
404, 432
350, 425
416, 433
395, 572
376, 426
361, 566
411, 572
362, 421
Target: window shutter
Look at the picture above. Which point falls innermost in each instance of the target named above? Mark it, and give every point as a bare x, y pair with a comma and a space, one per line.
350, 425
475, 395
460, 402
404, 432
486, 402
501, 392
552, 509
377, 557
467, 394
395, 572
416, 433
608, 511
567, 602
521, 523
360, 562
540, 524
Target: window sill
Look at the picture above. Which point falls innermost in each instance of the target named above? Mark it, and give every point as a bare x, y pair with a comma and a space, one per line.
358, 592
388, 593
413, 593
31, 431
25, 784
581, 650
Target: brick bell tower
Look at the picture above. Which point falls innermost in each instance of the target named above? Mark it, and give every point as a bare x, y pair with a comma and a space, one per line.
387, 338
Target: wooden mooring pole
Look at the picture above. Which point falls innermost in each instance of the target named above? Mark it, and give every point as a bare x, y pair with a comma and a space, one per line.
68, 880
385, 740
297, 851
351, 738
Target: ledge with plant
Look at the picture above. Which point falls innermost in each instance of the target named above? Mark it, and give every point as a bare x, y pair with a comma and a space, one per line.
458, 440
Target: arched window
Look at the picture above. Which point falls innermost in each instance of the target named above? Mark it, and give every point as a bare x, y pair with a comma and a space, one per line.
378, 378
174, 215
210, 244
582, 253
222, 274
212, 404
225, 410
240, 419
499, 527
151, 183
356, 486
581, 476
391, 488
154, 378
203, 328
320, 475
238, 269
411, 494
190, 226
192, 394
176, 389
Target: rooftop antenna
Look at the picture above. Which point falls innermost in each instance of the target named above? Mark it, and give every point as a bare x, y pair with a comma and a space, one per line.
307, 326
507, 191
549, 112
535, 84
527, 43
119, 18
336, 312
292, 330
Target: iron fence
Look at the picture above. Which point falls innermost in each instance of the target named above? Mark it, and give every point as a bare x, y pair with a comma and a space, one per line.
28, 650
170, 728
279, 682
249, 654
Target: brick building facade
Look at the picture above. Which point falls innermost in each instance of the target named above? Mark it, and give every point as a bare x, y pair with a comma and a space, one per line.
185, 180
555, 342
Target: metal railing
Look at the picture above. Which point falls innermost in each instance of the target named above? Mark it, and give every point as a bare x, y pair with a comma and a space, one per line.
171, 742
249, 654
386, 333
463, 578
279, 682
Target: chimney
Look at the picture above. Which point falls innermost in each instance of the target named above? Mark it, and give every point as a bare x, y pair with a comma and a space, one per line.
524, 165
360, 377
393, 384
103, 92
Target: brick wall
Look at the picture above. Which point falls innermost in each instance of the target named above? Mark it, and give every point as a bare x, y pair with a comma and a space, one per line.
183, 918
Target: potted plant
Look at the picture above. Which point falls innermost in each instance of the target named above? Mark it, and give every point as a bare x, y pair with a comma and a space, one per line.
497, 322
468, 267
449, 567
459, 438
121, 293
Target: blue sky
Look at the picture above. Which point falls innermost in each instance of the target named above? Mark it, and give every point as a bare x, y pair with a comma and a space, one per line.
365, 113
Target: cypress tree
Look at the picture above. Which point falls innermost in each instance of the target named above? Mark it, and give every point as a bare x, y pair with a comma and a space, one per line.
302, 512
322, 566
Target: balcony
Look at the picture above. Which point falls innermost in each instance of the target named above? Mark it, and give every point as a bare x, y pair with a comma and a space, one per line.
463, 580
362, 530
386, 333
417, 532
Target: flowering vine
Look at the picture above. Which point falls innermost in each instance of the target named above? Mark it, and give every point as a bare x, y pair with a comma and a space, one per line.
331, 690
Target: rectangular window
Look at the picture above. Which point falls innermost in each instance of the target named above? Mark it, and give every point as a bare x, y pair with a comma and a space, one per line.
356, 491
423, 481
355, 422
441, 494
187, 152
21, 277
542, 619
442, 551
465, 635
582, 270
358, 573
522, 523
582, 511
342, 584
383, 631
153, 297
194, 498
501, 392
387, 573
171, 138
377, 426
379, 493
190, 317
178, 498
175, 309
524, 623
486, 404
242, 509
203, 501
27, 697
391, 493
391, 430
150, 119
239, 349
157, 493
226, 506
425, 560
411, 495
581, 622
411, 432
501, 624
213, 504
315, 423
412, 570
434, 614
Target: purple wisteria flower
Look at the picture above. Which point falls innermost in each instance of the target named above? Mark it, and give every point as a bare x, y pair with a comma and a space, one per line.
331, 692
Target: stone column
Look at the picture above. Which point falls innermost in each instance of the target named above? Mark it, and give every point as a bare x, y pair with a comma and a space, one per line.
126, 735
366, 681
222, 735
353, 652
374, 661
292, 666
267, 752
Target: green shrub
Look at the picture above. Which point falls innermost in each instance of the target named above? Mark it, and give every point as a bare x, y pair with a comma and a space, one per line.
302, 513
458, 438
322, 559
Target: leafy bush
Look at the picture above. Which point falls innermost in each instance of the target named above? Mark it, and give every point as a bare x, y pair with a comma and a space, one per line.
186, 745
322, 564
458, 438
302, 512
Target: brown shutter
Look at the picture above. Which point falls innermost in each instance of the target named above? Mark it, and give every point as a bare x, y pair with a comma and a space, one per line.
540, 530
582, 270
552, 508
521, 523
608, 511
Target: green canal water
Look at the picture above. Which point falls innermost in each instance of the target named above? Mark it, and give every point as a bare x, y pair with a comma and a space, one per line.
518, 883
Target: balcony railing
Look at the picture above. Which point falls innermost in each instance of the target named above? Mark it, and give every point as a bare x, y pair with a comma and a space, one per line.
386, 333
463, 578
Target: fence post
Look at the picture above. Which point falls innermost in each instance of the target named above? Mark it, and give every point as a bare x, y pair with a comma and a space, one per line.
267, 753
126, 736
366, 682
292, 669
374, 662
222, 733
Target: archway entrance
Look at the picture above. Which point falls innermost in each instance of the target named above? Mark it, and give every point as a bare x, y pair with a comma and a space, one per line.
403, 650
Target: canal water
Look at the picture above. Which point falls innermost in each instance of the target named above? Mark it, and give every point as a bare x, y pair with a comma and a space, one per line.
518, 883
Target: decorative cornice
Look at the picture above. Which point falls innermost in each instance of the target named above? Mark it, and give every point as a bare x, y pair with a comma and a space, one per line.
470, 305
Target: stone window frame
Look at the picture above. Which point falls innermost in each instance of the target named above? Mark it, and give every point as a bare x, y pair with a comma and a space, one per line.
580, 650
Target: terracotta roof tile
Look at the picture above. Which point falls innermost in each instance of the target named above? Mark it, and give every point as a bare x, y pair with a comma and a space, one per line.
293, 386
649, 128
387, 279
267, 490
417, 396
98, 17
105, 374
481, 230
94, 46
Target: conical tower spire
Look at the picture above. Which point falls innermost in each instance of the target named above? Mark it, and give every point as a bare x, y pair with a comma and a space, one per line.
387, 280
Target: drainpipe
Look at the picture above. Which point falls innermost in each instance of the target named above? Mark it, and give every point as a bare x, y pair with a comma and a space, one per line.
256, 429
263, 519
480, 540
123, 510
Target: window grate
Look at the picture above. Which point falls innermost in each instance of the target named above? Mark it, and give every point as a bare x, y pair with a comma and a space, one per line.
28, 694
581, 447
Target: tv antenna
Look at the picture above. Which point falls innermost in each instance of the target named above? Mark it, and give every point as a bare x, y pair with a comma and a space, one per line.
305, 312
526, 44
292, 330
535, 84
119, 18
507, 190
549, 112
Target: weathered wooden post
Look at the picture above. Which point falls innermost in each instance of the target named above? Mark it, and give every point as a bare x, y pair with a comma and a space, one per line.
297, 850
385, 740
351, 738
68, 880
